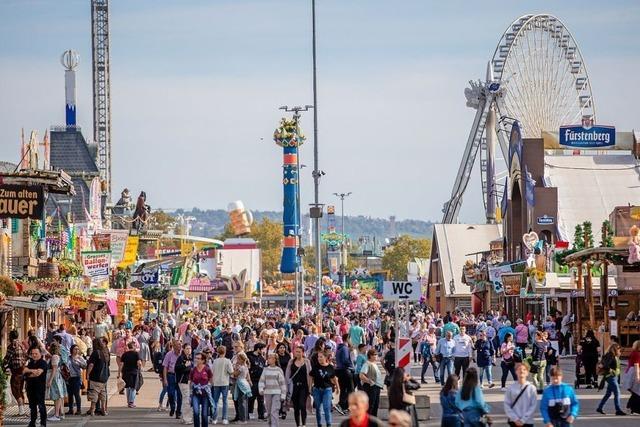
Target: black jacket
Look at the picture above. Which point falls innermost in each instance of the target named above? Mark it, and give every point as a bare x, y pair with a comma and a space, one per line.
183, 369
257, 364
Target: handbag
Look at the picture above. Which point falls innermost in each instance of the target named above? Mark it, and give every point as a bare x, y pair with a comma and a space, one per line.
408, 398
120, 384
65, 372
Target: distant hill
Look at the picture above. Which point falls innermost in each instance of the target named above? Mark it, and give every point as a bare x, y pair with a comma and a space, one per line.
210, 223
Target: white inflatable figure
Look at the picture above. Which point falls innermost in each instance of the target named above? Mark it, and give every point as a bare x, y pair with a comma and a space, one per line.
634, 245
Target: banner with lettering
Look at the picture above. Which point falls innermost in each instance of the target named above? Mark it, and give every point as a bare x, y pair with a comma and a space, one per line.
101, 241
118, 242
130, 252
96, 264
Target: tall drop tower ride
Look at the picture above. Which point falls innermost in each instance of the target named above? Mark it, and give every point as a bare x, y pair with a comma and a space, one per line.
101, 90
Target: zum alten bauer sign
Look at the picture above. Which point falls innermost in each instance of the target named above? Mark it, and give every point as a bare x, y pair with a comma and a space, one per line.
21, 201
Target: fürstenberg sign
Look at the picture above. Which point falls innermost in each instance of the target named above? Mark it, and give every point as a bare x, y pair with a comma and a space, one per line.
587, 137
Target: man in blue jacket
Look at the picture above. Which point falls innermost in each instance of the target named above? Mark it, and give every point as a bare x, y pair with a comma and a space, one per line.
344, 372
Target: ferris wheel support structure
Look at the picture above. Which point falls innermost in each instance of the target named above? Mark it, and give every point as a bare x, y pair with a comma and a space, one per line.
536, 76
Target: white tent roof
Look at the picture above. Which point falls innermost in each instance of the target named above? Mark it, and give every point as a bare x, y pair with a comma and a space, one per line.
455, 241
590, 187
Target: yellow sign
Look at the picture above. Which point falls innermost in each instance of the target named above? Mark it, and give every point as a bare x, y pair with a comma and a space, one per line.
130, 252
634, 212
78, 302
186, 248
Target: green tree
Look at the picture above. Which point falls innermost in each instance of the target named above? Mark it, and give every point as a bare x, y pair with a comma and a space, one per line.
268, 235
405, 249
160, 220
606, 236
588, 234
578, 238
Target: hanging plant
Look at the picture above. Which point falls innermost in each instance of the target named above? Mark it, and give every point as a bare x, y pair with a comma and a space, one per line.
69, 268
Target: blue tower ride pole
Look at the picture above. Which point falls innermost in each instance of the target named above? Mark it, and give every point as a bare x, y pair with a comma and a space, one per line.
289, 137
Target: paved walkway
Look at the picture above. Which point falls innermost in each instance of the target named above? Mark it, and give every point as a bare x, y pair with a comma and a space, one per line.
146, 411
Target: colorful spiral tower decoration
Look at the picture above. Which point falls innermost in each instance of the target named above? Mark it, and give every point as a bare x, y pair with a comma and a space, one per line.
289, 136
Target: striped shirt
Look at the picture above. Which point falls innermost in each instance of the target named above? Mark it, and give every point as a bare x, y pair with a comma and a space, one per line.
272, 382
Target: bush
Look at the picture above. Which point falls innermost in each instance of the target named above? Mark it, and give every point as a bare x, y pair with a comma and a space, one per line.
8, 286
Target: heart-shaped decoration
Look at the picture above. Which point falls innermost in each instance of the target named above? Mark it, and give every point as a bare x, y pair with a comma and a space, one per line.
530, 240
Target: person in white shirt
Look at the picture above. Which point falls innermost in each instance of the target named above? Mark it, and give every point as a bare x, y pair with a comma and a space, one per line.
222, 371
462, 352
521, 399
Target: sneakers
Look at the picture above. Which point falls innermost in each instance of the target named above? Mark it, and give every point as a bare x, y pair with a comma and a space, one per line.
53, 418
492, 385
225, 422
600, 411
503, 389
621, 413
215, 421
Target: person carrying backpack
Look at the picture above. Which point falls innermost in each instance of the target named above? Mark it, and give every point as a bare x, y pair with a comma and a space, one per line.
609, 367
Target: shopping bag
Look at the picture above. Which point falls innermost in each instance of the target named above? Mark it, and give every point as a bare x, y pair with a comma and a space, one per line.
120, 384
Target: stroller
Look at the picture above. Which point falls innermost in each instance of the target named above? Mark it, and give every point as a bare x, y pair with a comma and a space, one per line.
581, 378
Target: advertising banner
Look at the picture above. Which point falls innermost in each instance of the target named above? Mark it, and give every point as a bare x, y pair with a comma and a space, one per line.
587, 137
117, 244
130, 252
96, 264
21, 201
512, 283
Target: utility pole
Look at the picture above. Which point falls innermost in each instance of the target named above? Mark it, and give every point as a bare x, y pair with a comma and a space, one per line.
316, 208
299, 280
343, 256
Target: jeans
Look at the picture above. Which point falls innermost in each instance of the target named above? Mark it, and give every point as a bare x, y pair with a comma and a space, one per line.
256, 396
273, 403
200, 405
446, 365
486, 370
73, 390
131, 394
547, 372
425, 366
220, 391
36, 404
612, 388
461, 363
175, 397
506, 368
322, 401
241, 407
185, 390
538, 377
560, 423
345, 379
163, 393
373, 392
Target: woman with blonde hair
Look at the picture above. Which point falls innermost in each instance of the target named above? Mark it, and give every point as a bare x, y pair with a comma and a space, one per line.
55, 383
242, 390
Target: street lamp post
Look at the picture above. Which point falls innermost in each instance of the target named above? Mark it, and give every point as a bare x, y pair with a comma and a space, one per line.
316, 207
343, 258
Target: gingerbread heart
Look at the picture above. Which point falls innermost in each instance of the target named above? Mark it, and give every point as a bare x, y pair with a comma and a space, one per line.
530, 240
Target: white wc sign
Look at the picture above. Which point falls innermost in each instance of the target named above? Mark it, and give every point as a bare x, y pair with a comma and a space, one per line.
401, 291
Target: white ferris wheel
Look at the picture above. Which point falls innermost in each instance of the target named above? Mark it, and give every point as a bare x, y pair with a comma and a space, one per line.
537, 76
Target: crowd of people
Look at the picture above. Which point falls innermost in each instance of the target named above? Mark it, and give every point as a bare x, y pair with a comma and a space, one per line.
270, 362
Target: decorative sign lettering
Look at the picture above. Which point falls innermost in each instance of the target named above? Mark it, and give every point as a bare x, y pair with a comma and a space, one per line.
401, 291
546, 220
587, 137
21, 201
96, 264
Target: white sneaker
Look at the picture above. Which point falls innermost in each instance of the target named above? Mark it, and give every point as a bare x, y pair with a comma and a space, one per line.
21, 411
503, 389
252, 416
225, 422
53, 418
215, 421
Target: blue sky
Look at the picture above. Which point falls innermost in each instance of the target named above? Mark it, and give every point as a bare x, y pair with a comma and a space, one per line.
196, 86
